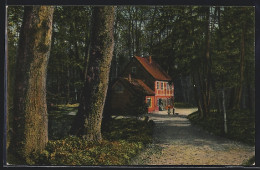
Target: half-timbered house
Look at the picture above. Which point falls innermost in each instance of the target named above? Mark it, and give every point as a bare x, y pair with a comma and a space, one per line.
143, 76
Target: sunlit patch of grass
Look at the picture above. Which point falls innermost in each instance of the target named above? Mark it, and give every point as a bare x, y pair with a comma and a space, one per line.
183, 105
68, 105
60, 121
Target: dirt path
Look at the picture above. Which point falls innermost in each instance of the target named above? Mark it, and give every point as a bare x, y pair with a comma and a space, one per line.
177, 142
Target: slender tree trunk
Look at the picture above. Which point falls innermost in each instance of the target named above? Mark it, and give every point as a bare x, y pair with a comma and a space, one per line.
208, 65
152, 32
183, 91
68, 85
89, 117
205, 78
239, 88
87, 52
30, 108
219, 102
197, 92
201, 103
224, 111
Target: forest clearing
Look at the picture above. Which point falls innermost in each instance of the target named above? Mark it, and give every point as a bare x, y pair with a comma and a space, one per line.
100, 85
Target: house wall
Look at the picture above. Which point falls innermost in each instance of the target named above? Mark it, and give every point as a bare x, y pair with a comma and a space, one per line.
163, 91
119, 100
152, 105
124, 100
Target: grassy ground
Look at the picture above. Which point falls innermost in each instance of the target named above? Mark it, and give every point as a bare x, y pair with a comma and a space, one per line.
240, 124
60, 120
183, 105
123, 139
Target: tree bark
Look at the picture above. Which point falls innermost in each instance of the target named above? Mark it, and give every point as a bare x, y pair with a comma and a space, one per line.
30, 108
89, 117
224, 111
206, 76
239, 88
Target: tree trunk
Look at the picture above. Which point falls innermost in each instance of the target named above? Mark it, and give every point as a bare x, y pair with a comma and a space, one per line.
89, 117
208, 65
68, 85
152, 31
206, 76
239, 89
219, 103
197, 92
30, 108
224, 110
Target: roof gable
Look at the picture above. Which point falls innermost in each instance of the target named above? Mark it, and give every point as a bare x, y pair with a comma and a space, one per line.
136, 85
153, 68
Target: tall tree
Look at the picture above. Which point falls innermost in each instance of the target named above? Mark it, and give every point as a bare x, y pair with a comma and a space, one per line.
89, 117
205, 78
30, 124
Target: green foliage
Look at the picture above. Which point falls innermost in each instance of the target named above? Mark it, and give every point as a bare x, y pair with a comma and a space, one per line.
76, 151
249, 162
240, 124
123, 139
15, 15
68, 53
129, 129
182, 105
59, 120
136, 107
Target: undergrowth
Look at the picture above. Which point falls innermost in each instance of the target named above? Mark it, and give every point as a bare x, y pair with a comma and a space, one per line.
183, 105
122, 140
240, 124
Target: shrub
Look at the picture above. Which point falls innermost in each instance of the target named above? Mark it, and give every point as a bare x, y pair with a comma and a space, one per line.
129, 129
240, 124
122, 140
182, 105
76, 151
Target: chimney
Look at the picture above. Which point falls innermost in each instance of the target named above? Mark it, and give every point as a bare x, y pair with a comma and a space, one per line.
129, 78
150, 59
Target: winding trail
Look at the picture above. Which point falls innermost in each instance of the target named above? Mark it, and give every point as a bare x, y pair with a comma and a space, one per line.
177, 142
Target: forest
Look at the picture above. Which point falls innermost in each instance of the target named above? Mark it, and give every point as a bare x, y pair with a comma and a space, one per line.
209, 52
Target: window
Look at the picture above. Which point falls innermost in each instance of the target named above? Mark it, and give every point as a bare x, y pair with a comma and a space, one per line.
167, 86
162, 85
149, 102
133, 69
158, 85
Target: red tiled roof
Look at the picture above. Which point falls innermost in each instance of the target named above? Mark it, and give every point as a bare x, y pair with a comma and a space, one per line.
137, 85
153, 68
